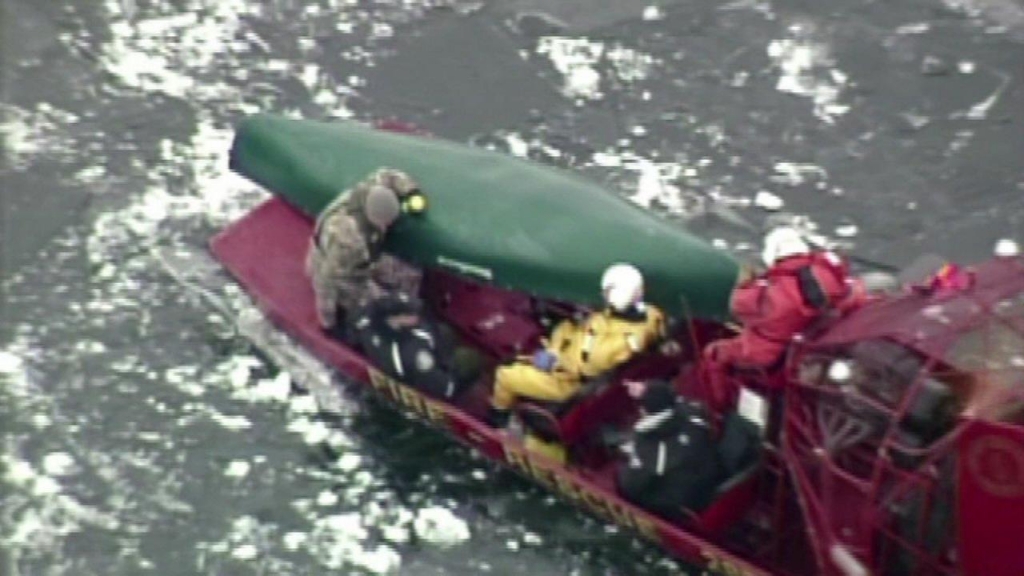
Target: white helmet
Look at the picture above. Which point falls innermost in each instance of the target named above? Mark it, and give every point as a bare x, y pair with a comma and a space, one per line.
783, 242
622, 286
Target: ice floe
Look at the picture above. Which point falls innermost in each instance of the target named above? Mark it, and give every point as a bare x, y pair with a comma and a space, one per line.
1006, 248
440, 526
10, 363
59, 464
237, 469
806, 69
768, 201
579, 60
653, 13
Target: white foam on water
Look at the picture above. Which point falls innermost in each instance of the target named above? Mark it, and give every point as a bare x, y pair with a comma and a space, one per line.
806, 69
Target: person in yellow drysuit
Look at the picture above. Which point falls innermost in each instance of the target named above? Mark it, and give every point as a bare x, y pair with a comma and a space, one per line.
577, 351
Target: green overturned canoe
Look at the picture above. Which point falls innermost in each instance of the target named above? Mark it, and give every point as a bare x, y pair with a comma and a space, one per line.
510, 222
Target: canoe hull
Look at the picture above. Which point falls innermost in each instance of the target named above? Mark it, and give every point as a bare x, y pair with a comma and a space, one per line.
512, 223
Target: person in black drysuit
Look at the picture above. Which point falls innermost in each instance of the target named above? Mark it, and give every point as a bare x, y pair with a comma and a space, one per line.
403, 342
671, 458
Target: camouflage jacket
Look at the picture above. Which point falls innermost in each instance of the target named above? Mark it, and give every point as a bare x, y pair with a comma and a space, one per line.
345, 246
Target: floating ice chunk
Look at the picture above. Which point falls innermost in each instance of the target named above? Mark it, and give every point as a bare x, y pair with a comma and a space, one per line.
440, 526
395, 534
653, 13
239, 370
45, 486
382, 30
914, 28
277, 389
91, 347
804, 71
584, 82
237, 469
234, 423
304, 404
1006, 248
965, 67
294, 540
310, 76
512, 545
41, 420
326, 498
313, 432
575, 58
10, 363
349, 462
382, 560
794, 174
847, 231
607, 160
532, 539
19, 472
648, 186
630, 65
244, 552
516, 145
768, 201
638, 131
58, 464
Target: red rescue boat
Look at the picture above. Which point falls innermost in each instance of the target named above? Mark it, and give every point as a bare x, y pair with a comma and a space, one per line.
891, 441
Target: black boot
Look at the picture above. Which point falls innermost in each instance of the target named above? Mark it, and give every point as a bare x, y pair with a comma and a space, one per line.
498, 418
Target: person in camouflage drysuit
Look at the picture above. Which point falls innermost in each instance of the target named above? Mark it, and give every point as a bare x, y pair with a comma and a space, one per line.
344, 258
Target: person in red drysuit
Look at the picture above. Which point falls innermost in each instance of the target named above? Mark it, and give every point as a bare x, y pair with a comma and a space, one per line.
799, 286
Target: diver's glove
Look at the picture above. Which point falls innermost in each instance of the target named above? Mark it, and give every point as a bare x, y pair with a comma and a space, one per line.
544, 360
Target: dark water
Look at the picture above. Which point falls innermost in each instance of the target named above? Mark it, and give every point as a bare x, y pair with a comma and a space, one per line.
143, 432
